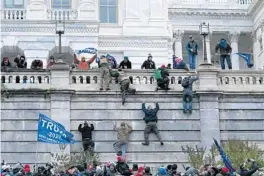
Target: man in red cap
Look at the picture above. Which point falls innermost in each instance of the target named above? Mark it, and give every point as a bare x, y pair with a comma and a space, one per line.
162, 77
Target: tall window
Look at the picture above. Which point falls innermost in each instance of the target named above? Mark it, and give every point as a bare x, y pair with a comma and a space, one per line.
61, 4
108, 11
14, 3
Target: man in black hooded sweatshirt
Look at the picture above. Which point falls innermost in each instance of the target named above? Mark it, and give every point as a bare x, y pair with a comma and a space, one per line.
86, 131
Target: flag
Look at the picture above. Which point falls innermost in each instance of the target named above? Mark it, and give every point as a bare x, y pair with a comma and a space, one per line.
50, 131
224, 157
247, 58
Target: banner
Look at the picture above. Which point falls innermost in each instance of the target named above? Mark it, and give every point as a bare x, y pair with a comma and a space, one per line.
53, 132
88, 53
247, 57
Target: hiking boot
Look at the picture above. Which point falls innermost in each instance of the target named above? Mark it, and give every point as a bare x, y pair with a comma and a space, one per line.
190, 111
101, 89
145, 143
161, 143
107, 89
185, 111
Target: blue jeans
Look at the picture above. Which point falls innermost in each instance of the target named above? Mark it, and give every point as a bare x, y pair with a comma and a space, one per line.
228, 60
121, 146
187, 102
192, 61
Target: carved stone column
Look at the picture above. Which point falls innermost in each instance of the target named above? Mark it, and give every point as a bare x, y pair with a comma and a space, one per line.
255, 50
37, 10
208, 48
178, 35
234, 37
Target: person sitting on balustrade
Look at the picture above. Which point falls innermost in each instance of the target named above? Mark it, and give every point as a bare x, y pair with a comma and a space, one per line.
149, 63
125, 64
20, 61
5, 64
178, 63
37, 64
51, 62
162, 76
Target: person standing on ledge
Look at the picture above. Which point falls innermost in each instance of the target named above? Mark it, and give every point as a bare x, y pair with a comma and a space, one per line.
187, 83
225, 51
151, 120
192, 50
122, 138
104, 67
86, 131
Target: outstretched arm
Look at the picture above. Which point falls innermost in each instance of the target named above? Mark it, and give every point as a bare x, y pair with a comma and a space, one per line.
129, 128
80, 129
144, 108
92, 59
157, 107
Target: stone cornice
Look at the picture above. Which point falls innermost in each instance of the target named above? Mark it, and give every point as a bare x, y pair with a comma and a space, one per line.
210, 12
254, 5
48, 27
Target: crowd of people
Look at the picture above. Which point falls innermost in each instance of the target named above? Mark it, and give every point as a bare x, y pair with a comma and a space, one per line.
120, 167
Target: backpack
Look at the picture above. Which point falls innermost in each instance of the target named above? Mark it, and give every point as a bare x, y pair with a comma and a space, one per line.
157, 74
185, 82
114, 74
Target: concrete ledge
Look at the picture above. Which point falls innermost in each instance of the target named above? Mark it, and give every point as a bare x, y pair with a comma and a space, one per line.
136, 136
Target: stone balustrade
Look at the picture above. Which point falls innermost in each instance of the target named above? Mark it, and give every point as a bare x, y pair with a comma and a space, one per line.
142, 80
65, 14
13, 14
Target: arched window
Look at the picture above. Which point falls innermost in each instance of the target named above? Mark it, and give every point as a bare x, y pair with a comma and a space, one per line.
108, 11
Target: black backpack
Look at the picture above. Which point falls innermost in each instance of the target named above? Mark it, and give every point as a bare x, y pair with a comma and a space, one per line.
185, 82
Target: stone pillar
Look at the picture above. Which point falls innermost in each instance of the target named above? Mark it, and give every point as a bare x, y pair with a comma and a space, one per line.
178, 35
234, 36
60, 98
209, 110
208, 48
255, 50
37, 10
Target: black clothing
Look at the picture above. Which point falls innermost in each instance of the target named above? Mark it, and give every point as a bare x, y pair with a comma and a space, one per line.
37, 64
245, 172
123, 168
125, 65
20, 63
148, 65
165, 81
86, 131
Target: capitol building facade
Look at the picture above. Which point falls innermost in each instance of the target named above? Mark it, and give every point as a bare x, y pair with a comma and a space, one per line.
132, 28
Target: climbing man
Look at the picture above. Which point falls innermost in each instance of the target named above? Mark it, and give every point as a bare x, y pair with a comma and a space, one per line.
122, 138
86, 131
124, 82
104, 67
161, 75
187, 83
151, 120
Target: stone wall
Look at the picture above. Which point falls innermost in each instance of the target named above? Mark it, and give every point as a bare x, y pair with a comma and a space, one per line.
224, 108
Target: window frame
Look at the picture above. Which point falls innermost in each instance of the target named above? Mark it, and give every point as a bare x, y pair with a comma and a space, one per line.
108, 16
14, 6
61, 7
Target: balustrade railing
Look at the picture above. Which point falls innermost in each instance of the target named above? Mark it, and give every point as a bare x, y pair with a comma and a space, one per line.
66, 14
210, 2
13, 14
143, 80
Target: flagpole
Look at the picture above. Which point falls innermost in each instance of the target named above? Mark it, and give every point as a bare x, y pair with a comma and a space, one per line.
36, 161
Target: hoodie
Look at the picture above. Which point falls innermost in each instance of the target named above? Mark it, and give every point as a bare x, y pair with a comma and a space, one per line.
162, 172
6, 62
86, 131
21, 62
224, 47
123, 132
150, 114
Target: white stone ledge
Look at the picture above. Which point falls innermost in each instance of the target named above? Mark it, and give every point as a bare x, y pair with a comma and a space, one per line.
241, 114
110, 136
244, 136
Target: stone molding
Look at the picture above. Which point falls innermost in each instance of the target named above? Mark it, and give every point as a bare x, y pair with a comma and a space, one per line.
178, 35
234, 36
132, 44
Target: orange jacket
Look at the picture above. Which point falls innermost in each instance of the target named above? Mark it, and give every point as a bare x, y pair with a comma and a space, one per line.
85, 65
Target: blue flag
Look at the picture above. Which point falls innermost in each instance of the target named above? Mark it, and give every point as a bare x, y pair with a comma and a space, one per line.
53, 132
87, 50
224, 157
247, 58
112, 60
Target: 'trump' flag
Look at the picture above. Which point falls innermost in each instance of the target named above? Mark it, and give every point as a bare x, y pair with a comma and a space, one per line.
53, 132
247, 58
224, 157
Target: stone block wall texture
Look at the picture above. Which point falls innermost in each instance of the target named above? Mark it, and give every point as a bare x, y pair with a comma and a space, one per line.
229, 116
